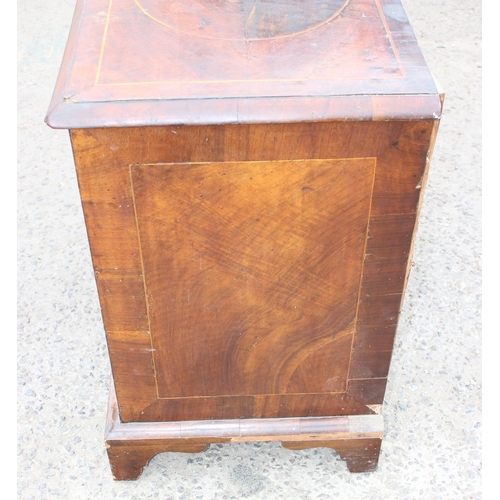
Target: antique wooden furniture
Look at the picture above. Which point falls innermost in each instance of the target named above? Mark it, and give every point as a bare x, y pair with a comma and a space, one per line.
251, 175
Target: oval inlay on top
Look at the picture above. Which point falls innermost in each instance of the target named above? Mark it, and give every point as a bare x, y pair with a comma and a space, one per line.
242, 19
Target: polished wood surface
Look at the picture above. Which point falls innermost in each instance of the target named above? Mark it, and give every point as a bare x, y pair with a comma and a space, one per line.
211, 313
251, 175
131, 446
150, 62
252, 277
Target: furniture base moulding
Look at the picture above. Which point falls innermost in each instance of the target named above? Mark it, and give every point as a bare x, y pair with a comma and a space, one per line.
130, 446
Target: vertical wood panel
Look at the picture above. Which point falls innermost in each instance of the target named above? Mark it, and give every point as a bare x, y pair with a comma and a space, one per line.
252, 274
103, 157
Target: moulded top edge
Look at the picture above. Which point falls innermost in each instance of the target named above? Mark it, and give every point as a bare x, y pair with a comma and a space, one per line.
138, 62
245, 111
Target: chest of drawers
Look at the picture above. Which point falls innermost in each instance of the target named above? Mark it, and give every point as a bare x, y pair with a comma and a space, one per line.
251, 175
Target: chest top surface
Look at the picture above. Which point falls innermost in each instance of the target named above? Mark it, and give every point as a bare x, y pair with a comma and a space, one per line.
157, 62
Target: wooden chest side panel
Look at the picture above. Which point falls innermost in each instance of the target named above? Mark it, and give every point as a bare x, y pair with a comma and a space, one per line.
103, 158
252, 272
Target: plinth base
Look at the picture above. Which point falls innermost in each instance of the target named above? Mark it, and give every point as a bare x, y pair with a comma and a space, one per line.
131, 446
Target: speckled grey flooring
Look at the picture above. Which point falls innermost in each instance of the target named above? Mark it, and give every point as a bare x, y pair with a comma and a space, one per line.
432, 410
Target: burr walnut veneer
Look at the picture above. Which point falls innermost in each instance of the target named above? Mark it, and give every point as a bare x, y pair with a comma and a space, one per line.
251, 174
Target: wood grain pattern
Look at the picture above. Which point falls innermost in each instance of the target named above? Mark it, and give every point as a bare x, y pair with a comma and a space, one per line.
114, 165
130, 446
369, 391
251, 175
245, 20
240, 62
261, 406
235, 255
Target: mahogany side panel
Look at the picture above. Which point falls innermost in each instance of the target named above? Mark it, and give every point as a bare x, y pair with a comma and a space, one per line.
252, 274
103, 158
